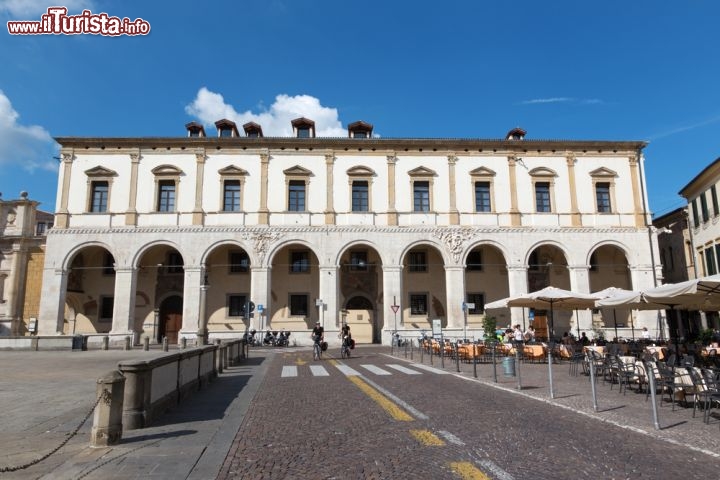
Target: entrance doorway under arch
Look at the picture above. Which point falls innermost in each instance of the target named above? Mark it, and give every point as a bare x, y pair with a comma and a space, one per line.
364, 326
170, 319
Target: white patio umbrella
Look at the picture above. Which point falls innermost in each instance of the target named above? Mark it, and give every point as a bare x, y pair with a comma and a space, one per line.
611, 292
696, 294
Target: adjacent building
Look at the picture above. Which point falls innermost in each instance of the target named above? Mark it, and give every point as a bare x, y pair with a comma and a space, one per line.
203, 236
22, 256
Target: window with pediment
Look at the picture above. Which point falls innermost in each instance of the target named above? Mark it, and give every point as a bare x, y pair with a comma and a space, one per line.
543, 180
167, 179
604, 187
99, 186
421, 185
232, 180
483, 189
360, 179
297, 180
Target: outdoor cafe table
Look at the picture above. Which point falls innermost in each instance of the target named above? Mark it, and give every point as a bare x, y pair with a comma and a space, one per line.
596, 348
659, 350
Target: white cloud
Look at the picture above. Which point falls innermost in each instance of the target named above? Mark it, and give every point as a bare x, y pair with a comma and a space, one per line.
209, 107
30, 146
32, 9
582, 101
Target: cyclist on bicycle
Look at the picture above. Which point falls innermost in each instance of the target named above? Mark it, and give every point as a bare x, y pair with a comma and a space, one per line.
318, 333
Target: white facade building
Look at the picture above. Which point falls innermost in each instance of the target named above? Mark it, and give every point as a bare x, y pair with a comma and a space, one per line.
173, 237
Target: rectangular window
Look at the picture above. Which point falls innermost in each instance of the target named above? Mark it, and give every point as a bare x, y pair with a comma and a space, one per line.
239, 262
417, 262
303, 132
479, 300
696, 215
359, 134
99, 196
226, 132
166, 196
717, 256
299, 262
418, 304
602, 194
296, 196
358, 261
482, 197
421, 196
474, 261
40, 228
236, 305
106, 308
542, 197
298, 305
713, 195
231, 196
360, 196
710, 259
704, 207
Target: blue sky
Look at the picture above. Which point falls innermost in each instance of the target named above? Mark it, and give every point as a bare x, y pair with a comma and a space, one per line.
579, 70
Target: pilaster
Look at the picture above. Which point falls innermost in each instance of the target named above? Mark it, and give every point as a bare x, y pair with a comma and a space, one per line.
62, 216
191, 301
329, 203
328, 294
455, 295
575, 218
198, 216
131, 213
264, 213
259, 294
52, 302
515, 219
123, 322
454, 217
392, 295
392, 216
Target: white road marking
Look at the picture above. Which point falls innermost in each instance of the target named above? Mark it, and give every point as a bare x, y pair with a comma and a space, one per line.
402, 369
451, 438
376, 370
411, 410
319, 371
431, 369
289, 371
347, 370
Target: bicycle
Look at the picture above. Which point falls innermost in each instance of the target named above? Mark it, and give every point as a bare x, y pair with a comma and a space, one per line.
345, 347
317, 348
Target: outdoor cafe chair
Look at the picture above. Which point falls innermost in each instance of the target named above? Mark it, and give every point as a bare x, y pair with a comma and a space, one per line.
626, 373
712, 395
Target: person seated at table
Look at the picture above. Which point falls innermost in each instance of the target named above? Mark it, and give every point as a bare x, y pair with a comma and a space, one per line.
509, 336
584, 340
567, 339
529, 334
601, 341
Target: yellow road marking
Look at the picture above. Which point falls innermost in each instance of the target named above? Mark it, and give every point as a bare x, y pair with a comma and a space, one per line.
467, 471
395, 412
428, 438
300, 361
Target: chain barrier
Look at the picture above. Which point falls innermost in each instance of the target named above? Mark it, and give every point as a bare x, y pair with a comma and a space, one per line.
104, 397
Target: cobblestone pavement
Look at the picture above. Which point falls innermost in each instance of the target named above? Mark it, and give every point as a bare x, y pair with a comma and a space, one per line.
280, 415
320, 424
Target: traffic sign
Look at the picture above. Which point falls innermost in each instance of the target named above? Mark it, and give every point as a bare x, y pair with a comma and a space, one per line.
395, 308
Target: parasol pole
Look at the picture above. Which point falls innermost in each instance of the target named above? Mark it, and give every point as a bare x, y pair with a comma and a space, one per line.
615, 320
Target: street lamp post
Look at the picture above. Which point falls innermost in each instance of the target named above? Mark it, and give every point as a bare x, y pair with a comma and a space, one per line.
395, 307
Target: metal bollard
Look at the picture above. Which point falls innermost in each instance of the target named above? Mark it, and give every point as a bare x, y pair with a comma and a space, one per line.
442, 353
475, 352
457, 356
165, 346
517, 366
592, 382
650, 373
107, 419
128, 344
494, 348
105, 342
183, 343
146, 343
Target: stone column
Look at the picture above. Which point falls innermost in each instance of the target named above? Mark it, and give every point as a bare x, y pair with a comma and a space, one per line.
52, 301
124, 301
580, 282
637, 194
455, 295
62, 215
131, 213
328, 294
454, 214
517, 284
259, 293
264, 213
392, 292
392, 216
575, 218
107, 419
191, 301
203, 321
